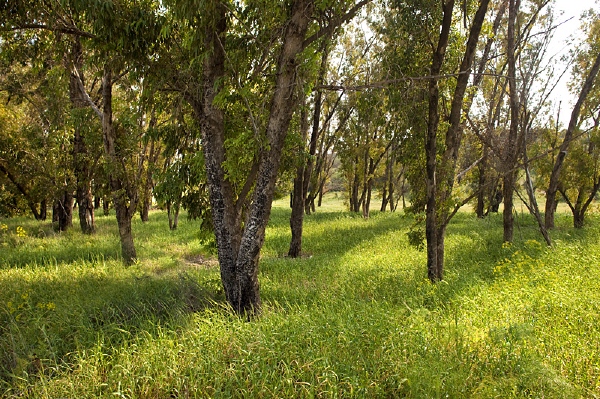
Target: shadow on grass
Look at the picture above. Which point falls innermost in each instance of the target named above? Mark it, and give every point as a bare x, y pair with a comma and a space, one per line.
45, 322
43, 246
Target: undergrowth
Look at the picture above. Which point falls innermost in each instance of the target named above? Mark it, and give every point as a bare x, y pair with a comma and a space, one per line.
354, 317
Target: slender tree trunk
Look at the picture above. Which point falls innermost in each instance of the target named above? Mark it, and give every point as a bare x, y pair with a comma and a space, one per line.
299, 194
176, 216
62, 211
106, 205
431, 219
83, 169
96, 202
43, 210
562, 152
296, 219
148, 182
301, 184
124, 196
511, 151
170, 214
354, 202
85, 199
481, 184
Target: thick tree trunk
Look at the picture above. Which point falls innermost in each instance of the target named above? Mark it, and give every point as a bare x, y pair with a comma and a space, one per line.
562, 152
239, 253
578, 219
124, 222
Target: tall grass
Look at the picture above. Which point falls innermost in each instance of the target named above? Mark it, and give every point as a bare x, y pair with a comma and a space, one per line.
355, 317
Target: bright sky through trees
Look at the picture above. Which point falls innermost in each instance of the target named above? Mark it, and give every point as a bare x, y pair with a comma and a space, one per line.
568, 13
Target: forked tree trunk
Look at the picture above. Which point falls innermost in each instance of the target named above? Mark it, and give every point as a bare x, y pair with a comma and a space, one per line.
239, 247
440, 181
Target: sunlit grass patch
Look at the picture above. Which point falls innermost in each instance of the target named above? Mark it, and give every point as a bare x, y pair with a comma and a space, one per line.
356, 317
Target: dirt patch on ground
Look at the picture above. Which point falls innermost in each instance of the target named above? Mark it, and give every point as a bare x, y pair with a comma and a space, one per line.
201, 261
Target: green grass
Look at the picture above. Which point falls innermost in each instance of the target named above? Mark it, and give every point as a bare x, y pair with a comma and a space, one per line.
356, 317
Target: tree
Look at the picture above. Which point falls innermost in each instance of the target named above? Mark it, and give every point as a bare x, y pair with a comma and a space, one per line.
587, 86
440, 177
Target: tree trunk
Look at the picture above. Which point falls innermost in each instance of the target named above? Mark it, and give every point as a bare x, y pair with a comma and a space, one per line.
148, 182
481, 184
511, 151
170, 215
431, 220
440, 181
578, 219
83, 168
124, 195
106, 205
296, 219
299, 198
62, 211
85, 199
96, 202
562, 152
239, 248
176, 216
354, 203
43, 210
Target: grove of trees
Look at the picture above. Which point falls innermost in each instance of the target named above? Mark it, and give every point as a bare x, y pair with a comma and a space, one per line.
219, 107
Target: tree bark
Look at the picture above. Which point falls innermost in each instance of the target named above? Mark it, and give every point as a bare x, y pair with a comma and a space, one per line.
562, 152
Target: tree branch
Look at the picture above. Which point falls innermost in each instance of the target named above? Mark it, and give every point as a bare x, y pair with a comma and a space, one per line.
329, 29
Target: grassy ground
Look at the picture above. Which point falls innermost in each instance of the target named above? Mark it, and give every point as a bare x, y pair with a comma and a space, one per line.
354, 318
